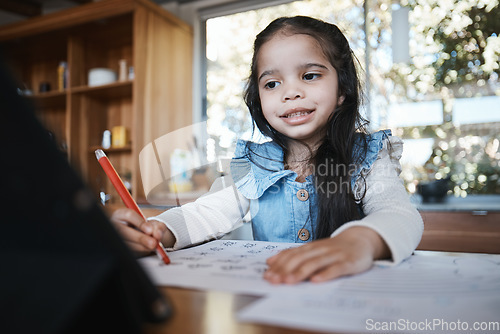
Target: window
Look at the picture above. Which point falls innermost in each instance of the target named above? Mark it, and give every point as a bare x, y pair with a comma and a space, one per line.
441, 92
432, 72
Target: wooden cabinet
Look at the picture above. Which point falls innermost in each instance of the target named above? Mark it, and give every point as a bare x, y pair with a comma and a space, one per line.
99, 35
473, 231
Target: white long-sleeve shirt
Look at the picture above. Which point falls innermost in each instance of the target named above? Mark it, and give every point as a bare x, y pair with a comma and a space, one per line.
386, 205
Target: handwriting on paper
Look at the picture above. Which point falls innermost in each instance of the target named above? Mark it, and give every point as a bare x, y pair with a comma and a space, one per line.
234, 265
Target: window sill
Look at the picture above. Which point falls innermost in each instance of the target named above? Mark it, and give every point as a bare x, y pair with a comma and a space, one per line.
477, 204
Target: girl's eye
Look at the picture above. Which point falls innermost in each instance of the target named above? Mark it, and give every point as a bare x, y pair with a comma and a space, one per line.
311, 76
272, 84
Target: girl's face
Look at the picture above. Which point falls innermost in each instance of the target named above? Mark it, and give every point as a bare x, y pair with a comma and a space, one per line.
298, 87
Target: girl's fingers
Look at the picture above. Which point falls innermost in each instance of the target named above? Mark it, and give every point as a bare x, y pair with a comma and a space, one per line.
142, 236
310, 268
159, 229
130, 217
294, 256
296, 264
320, 260
285, 261
305, 269
342, 268
334, 271
319, 269
137, 239
126, 215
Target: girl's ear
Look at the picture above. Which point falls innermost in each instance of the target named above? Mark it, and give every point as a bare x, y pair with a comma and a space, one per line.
340, 100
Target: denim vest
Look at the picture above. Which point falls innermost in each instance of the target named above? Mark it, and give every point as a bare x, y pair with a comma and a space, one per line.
282, 209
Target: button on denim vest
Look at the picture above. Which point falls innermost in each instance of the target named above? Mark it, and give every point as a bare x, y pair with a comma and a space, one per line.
282, 209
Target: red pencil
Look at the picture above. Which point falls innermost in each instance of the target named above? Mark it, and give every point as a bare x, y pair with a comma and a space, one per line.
125, 195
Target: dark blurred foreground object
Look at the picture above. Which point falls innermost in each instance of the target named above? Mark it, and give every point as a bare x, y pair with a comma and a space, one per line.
64, 267
434, 191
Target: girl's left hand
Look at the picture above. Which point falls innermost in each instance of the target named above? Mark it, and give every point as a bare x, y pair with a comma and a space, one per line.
351, 252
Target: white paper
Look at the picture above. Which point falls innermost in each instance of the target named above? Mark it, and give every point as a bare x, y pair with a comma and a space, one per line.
227, 265
424, 294
357, 312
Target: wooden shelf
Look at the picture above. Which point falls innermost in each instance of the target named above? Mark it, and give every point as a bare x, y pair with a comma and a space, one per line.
102, 34
49, 95
111, 150
110, 91
49, 99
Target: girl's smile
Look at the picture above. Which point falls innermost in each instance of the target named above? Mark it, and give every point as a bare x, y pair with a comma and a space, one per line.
297, 116
298, 86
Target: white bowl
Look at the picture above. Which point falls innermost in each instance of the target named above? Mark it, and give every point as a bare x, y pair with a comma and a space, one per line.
101, 76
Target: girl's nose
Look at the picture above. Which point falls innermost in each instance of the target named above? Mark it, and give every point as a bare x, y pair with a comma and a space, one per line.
293, 92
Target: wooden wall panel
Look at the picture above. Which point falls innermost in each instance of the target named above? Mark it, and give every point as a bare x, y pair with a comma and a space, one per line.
163, 56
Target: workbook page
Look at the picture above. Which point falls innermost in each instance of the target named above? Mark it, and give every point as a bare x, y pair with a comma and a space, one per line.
433, 293
428, 292
227, 265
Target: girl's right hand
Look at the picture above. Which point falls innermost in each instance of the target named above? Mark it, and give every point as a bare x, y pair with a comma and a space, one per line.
140, 235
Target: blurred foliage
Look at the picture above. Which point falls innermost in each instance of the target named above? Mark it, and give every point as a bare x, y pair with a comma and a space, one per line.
457, 56
455, 44
472, 163
468, 54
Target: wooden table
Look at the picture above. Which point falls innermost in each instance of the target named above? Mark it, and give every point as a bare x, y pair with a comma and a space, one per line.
210, 312
214, 312
206, 312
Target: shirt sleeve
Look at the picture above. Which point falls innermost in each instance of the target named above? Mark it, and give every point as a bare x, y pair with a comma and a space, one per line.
211, 216
387, 205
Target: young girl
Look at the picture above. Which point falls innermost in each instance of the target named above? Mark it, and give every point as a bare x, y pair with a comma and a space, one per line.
321, 180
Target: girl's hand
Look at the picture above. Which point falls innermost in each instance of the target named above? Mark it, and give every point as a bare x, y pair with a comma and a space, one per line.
140, 235
351, 252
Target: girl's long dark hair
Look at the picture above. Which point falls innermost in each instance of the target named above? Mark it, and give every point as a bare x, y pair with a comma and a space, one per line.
334, 162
